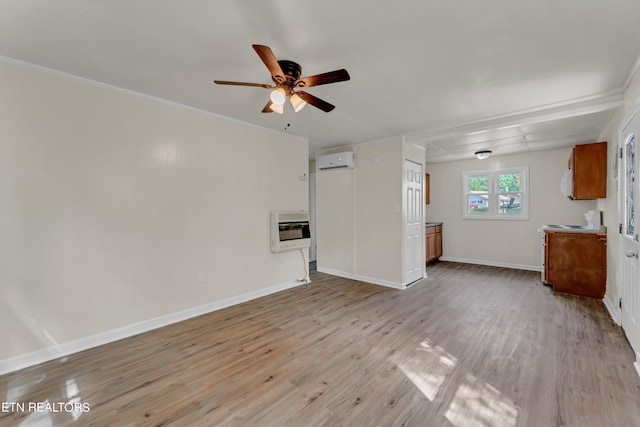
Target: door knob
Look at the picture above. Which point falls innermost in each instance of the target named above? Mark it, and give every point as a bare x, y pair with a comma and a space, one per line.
632, 254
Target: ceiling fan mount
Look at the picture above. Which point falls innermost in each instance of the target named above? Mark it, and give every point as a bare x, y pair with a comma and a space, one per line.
292, 71
286, 76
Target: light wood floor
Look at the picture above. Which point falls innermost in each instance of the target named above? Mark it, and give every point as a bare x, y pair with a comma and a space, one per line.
469, 346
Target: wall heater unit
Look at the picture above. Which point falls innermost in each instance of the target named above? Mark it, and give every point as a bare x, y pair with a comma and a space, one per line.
289, 231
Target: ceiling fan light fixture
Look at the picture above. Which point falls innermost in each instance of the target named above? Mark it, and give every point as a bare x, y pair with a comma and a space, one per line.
277, 108
278, 96
285, 75
297, 102
483, 154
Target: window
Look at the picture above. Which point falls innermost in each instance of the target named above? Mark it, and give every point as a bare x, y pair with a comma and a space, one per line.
496, 194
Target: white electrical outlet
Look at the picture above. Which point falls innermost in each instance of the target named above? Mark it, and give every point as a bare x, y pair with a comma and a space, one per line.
202, 277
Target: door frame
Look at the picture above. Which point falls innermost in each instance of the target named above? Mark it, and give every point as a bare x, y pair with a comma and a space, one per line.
621, 158
313, 248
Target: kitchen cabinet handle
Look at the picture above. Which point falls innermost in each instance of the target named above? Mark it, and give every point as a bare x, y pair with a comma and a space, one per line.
632, 254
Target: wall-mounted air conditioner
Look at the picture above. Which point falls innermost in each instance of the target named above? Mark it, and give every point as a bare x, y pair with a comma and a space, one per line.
344, 160
290, 231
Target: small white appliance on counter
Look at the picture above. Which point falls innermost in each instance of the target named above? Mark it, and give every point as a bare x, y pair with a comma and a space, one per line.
594, 220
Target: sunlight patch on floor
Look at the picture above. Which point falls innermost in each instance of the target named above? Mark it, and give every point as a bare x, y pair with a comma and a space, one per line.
428, 368
38, 419
478, 404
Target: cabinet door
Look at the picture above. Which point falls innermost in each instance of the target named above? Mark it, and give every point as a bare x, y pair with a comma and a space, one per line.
431, 244
576, 263
426, 249
427, 188
439, 241
545, 273
589, 166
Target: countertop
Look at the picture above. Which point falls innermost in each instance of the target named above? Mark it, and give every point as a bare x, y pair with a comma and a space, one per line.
572, 229
432, 224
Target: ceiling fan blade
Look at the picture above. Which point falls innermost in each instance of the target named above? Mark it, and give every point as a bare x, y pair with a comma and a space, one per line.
223, 82
267, 108
324, 78
315, 101
269, 59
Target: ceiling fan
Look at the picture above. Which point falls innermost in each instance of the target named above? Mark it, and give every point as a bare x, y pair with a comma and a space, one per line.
286, 76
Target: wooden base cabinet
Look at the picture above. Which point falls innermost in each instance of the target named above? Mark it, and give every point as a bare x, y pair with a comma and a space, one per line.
576, 263
433, 243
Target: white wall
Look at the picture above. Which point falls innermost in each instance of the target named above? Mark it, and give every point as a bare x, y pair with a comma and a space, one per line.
379, 241
513, 243
359, 213
335, 221
116, 209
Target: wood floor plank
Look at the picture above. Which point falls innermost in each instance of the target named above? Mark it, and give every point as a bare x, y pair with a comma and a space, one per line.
467, 346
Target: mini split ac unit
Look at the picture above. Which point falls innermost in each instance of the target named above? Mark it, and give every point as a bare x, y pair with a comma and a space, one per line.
344, 160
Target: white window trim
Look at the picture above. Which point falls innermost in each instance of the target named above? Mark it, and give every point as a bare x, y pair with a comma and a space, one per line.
493, 191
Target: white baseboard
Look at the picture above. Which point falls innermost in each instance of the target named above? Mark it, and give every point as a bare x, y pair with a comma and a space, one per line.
40, 356
380, 282
494, 263
367, 279
614, 310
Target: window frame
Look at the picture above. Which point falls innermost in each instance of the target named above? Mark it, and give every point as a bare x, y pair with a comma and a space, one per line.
493, 212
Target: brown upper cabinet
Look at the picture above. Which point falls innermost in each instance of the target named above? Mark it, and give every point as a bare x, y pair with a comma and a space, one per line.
427, 192
588, 164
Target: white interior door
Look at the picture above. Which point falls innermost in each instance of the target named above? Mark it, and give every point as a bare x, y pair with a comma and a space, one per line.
413, 184
628, 193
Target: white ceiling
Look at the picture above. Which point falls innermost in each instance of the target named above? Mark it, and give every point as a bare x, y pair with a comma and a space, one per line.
450, 76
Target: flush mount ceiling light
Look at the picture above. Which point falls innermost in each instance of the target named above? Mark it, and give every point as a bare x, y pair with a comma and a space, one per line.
483, 154
286, 78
